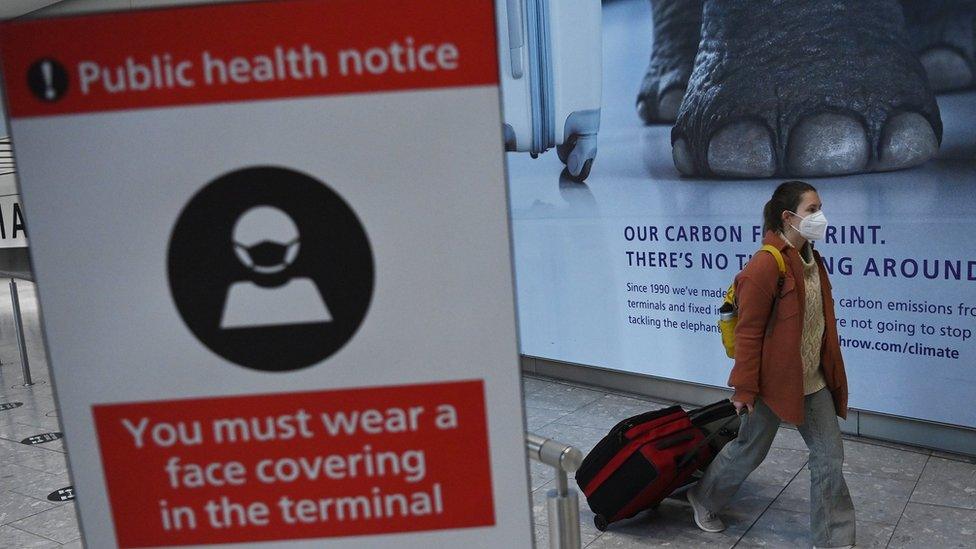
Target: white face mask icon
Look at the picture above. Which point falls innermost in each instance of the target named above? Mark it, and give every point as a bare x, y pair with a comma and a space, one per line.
266, 241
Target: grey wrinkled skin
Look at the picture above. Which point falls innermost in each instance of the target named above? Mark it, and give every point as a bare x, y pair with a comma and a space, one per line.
943, 35
677, 26
806, 88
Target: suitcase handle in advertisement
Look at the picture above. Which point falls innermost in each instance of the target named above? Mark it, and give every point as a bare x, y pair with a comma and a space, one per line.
516, 39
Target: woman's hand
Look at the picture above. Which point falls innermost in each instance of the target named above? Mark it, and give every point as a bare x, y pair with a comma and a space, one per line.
740, 405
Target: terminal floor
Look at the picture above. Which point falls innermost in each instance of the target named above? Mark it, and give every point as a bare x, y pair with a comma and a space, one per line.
904, 496
29, 473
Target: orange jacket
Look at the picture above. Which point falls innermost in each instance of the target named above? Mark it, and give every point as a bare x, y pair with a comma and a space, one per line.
767, 343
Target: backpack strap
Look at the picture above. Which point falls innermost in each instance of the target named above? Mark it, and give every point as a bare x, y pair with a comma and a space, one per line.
778, 256
780, 262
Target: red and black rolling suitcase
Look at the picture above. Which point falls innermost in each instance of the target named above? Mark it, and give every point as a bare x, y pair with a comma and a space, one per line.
647, 457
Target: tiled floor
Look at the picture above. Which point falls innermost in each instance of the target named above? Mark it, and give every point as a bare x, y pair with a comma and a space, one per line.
29, 473
903, 496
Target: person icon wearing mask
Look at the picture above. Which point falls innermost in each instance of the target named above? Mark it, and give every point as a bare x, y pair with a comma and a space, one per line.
266, 241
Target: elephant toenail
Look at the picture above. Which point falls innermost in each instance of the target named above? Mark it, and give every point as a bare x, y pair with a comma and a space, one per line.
669, 104
827, 144
946, 69
906, 140
644, 111
682, 157
742, 149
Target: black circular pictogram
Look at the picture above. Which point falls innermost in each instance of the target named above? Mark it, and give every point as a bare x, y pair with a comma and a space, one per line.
270, 268
47, 80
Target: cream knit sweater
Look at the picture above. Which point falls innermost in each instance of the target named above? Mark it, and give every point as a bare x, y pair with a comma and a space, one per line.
813, 323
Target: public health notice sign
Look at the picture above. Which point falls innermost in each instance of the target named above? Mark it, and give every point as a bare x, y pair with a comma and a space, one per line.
272, 248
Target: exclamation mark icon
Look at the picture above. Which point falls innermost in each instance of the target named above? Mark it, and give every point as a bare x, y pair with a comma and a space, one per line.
47, 70
47, 79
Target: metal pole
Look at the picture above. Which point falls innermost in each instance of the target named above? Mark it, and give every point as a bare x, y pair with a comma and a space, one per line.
19, 327
563, 508
562, 503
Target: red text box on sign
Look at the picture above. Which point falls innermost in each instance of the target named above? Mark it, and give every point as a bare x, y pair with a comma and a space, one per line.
422, 464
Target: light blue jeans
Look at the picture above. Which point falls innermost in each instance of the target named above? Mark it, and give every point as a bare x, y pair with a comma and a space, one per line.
831, 508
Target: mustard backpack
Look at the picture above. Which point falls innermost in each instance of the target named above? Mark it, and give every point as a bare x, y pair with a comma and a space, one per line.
729, 311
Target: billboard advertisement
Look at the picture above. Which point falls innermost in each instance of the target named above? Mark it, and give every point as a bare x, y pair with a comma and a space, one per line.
701, 117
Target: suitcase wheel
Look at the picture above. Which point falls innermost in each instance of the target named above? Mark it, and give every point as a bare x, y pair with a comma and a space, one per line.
562, 151
584, 172
577, 153
600, 522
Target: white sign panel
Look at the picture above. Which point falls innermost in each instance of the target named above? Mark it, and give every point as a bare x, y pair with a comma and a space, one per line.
282, 309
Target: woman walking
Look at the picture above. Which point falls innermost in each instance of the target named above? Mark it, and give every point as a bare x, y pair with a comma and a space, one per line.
788, 367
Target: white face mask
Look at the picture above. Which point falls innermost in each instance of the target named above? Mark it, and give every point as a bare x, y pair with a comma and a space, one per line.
813, 226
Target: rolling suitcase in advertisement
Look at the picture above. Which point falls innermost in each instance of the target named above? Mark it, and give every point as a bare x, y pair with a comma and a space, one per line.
550, 56
647, 457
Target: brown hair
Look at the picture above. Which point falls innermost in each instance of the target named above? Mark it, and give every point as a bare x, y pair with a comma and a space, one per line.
787, 196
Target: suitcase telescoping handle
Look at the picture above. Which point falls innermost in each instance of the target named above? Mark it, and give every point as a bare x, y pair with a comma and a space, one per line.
694, 451
516, 38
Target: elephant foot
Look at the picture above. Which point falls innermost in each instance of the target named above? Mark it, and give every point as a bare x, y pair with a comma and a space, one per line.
800, 88
677, 30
